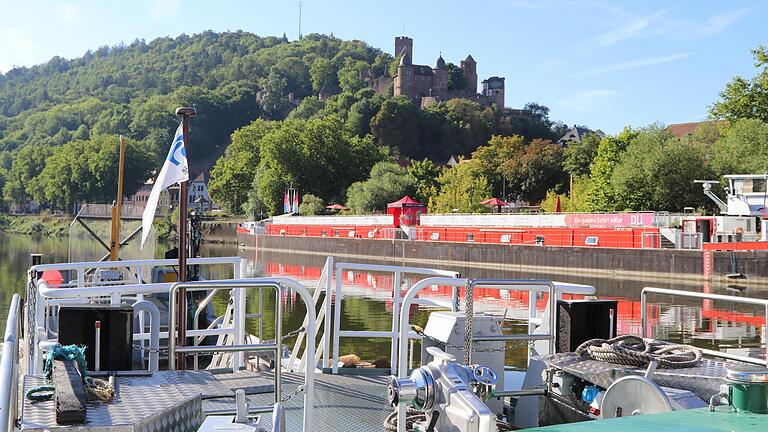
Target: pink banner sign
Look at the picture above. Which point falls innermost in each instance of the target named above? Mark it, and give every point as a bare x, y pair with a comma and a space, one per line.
609, 220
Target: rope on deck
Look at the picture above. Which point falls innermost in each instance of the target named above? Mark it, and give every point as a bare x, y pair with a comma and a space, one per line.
635, 351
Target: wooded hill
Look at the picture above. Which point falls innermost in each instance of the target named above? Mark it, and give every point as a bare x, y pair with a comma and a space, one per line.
133, 90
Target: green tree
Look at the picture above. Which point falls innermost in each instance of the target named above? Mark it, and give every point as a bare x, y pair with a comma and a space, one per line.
649, 174
462, 188
491, 157
456, 80
424, 174
28, 164
311, 205
274, 102
394, 125
746, 98
601, 195
534, 171
321, 72
579, 155
388, 182
350, 79
233, 174
361, 113
742, 148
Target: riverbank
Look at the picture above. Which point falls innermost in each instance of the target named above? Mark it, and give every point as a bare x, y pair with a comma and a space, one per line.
41, 225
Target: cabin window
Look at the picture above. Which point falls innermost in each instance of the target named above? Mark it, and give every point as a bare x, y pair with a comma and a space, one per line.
540, 240
282, 232
506, 238
758, 185
470, 237
322, 233
435, 236
371, 234
351, 234
337, 233
591, 241
303, 231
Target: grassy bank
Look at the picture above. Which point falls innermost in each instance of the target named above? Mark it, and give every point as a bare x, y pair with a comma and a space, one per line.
44, 225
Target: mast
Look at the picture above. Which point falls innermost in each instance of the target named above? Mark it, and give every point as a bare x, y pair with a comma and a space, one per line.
114, 244
181, 312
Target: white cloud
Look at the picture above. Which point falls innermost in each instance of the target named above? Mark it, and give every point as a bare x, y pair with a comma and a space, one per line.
160, 9
632, 64
16, 49
67, 12
636, 27
586, 100
661, 24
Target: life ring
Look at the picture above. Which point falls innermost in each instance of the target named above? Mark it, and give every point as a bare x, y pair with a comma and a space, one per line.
739, 230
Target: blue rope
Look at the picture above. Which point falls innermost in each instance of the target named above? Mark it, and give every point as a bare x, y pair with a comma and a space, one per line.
71, 353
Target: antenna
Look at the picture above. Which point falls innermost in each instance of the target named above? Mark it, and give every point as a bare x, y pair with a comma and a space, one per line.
299, 20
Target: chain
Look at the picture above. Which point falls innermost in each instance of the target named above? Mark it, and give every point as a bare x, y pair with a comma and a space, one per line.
299, 389
468, 315
293, 333
149, 350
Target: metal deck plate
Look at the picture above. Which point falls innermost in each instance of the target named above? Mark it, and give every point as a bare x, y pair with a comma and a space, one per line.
703, 380
159, 402
343, 403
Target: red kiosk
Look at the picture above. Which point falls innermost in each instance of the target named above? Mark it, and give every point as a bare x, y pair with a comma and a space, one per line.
407, 210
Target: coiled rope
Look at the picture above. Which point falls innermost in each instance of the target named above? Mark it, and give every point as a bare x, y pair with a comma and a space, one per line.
636, 351
97, 388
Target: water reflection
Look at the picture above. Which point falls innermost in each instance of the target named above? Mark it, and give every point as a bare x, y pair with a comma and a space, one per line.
367, 303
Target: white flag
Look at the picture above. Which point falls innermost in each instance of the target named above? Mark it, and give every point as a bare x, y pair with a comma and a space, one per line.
175, 170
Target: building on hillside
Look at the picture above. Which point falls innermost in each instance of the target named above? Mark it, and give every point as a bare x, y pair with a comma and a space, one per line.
681, 130
199, 199
427, 85
576, 134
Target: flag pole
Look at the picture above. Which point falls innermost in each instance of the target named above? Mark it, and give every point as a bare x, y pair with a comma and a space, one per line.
185, 113
114, 246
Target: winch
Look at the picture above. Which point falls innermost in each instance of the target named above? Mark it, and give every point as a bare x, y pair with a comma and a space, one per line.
451, 396
745, 389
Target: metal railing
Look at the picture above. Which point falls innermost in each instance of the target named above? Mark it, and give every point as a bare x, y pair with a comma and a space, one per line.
704, 296
278, 283
338, 295
501, 284
9, 368
41, 297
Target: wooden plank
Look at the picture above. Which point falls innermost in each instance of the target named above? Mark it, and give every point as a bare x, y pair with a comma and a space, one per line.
69, 393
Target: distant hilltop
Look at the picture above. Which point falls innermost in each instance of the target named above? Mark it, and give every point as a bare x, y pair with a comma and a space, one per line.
428, 85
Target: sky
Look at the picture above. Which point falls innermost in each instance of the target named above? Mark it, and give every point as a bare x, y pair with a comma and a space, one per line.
603, 64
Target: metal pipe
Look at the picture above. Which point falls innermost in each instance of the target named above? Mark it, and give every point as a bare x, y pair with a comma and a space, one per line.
516, 393
512, 337
97, 347
154, 331
226, 348
279, 340
8, 367
134, 263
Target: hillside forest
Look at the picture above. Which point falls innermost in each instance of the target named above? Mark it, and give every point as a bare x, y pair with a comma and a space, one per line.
261, 128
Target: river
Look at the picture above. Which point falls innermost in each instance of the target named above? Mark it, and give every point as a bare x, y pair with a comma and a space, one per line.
367, 306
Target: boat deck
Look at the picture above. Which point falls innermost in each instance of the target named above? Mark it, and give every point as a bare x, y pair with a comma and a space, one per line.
168, 401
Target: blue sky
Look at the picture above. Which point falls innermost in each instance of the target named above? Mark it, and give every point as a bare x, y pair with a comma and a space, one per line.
605, 64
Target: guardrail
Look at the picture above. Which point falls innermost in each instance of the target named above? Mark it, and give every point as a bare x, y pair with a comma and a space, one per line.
278, 284
9, 368
338, 295
40, 296
706, 296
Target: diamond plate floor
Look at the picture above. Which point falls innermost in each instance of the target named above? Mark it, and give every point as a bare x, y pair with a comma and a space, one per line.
343, 403
703, 380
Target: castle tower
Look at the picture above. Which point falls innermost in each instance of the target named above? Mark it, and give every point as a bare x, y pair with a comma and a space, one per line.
404, 43
440, 79
493, 90
403, 84
469, 69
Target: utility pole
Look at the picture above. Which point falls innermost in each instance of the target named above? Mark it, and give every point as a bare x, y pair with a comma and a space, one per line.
181, 312
299, 20
114, 244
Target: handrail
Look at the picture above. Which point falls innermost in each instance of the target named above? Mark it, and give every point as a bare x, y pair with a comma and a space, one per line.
9, 368
135, 263
275, 282
397, 272
705, 296
154, 331
502, 284
325, 277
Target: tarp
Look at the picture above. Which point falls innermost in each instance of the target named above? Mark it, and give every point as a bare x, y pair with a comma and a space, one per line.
405, 201
494, 201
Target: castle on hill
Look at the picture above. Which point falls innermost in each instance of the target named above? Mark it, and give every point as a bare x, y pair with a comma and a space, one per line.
427, 85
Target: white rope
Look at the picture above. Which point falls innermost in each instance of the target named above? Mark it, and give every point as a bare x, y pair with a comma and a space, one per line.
635, 351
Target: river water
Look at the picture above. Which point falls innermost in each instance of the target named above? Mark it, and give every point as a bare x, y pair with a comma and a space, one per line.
367, 304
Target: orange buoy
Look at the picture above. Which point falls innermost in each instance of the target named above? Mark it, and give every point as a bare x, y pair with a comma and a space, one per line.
53, 277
